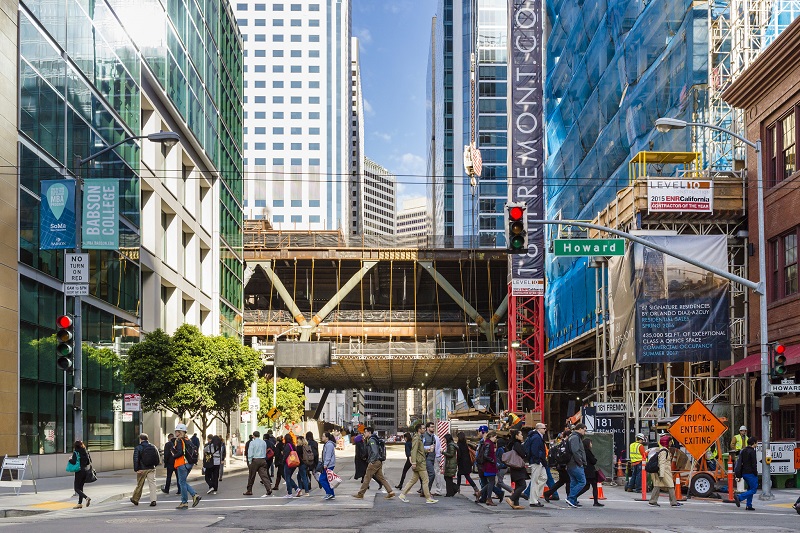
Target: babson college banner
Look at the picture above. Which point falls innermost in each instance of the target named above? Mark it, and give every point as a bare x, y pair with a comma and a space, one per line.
100, 230
526, 133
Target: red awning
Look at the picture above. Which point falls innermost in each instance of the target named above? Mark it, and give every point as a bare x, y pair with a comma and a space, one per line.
752, 363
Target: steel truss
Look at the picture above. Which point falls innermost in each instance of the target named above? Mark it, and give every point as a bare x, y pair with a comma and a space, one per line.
526, 363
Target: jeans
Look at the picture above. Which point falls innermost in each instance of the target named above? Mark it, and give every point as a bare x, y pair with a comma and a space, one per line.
635, 481
291, 486
429, 466
577, 480
323, 481
752, 487
183, 475
302, 478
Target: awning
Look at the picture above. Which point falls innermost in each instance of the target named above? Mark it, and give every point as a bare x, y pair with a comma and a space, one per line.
752, 363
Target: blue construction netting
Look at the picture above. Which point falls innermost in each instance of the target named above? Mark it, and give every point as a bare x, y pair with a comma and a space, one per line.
613, 68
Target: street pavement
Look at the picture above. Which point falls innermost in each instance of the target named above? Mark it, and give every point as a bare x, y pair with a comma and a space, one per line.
230, 511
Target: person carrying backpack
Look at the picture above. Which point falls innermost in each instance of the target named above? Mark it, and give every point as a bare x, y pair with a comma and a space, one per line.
145, 461
212, 462
306, 456
662, 476
376, 455
577, 461
186, 456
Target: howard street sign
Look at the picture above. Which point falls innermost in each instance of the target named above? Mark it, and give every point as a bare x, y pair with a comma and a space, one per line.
588, 247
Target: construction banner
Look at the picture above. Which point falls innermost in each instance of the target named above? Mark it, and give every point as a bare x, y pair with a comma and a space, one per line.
679, 312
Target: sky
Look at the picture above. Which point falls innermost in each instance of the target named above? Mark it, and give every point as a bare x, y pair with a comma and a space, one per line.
394, 43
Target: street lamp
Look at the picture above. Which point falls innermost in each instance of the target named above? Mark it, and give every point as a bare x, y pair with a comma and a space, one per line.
666, 124
167, 138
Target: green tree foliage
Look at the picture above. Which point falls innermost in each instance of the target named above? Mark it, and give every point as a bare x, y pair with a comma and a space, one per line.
291, 400
190, 373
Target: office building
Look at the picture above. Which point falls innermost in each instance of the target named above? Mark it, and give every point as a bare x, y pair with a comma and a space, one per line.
297, 112
356, 224
380, 411
88, 79
413, 220
377, 198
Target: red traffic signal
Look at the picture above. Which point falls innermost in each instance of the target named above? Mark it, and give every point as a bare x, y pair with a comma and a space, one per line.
64, 321
778, 360
65, 342
516, 213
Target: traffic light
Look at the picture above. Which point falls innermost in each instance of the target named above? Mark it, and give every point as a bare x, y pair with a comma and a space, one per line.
65, 345
778, 360
516, 230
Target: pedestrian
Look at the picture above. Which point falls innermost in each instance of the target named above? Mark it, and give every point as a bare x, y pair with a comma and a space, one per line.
195, 442
465, 462
279, 465
223, 454
270, 438
419, 471
489, 469
306, 456
537, 459
327, 462
292, 489
314, 446
183, 465
663, 478
169, 464
590, 471
637, 456
561, 469
450, 453
518, 475
429, 443
479, 459
257, 459
747, 469
502, 468
739, 442
577, 460
438, 478
376, 454
212, 462
81, 457
360, 458
407, 466
145, 461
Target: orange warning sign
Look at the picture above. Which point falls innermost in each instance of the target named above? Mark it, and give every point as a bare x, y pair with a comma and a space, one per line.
697, 429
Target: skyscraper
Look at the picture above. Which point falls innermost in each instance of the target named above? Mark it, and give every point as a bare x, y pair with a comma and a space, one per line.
413, 219
377, 192
355, 200
297, 112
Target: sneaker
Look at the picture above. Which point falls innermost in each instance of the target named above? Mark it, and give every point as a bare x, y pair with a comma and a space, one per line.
537, 504
749, 509
183, 506
248, 493
195, 500
382, 491
403, 498
597, 504
333, 497
430, 500
654, 504
210, 491
737, 501
88, 501
152, 504
134, 502
676, 504
264, 495
79, 506
327, 497
389, 496
308, 493
298, 493
571, 504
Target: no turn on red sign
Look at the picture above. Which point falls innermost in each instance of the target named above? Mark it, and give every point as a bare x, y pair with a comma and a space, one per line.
697, 429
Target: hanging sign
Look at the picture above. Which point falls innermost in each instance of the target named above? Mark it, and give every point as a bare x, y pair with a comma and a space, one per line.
100, 230
57, 215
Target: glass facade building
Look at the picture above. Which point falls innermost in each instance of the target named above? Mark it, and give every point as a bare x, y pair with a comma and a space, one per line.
89, 72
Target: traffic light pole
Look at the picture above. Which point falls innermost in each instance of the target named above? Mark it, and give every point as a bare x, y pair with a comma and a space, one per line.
77, 369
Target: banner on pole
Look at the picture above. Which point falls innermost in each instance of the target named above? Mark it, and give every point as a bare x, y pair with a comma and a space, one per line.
100, 219
57, 215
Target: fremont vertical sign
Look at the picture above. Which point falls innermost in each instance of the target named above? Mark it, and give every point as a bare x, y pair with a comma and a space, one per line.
526, 133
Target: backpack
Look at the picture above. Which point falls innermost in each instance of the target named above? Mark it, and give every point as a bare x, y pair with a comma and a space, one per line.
480, 453
560, 454
498, 457
381, 448
308, 456
149, 457
190, 452
652, 464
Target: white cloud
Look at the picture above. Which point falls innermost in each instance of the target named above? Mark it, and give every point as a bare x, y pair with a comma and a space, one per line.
409, 164
382, 136
368, 107
364, 37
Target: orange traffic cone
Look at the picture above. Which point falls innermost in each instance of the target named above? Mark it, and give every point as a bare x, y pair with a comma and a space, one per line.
620, 473
678, 495
600, 495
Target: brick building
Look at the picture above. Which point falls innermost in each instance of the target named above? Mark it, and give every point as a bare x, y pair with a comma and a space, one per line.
769, 93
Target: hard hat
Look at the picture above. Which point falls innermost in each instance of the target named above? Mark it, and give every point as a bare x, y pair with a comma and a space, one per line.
640, 436
180, 427
743, 428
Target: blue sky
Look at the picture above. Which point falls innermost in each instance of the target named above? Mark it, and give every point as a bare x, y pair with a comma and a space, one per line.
394, 38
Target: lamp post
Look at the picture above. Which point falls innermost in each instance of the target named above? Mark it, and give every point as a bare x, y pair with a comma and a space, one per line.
168, 138
666, 124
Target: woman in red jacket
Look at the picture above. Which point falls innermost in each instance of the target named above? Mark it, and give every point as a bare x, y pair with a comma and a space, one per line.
489, 468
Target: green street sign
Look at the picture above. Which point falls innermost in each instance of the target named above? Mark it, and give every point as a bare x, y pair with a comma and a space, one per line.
588, 247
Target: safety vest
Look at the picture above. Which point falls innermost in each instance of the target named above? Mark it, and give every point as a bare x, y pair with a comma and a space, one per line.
740, 442
636, 452
513, 419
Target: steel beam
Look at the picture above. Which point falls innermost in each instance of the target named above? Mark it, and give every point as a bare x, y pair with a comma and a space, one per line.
459, 299
282, 292
337, 298
321, 404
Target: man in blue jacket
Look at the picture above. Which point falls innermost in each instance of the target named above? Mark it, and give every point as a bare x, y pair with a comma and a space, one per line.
537, 458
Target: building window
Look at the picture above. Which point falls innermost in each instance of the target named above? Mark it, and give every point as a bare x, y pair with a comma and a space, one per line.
277, 203
297, 131
277, 22
313, 69
790, 264
313, 53
297, 203
295, 39
781, 149
314, 219
297, 218
277, 219
789, 145
277, 38
277, 85
296, 115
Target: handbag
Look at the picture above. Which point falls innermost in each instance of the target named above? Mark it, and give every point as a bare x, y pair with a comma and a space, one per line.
74, 467
513, 460
293, 461
91, 473
600, 476
333, 479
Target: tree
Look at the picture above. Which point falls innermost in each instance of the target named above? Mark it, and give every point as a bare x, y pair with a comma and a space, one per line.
151, 369
239, 366
291, 400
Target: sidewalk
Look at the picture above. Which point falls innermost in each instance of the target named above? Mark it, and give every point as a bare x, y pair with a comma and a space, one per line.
55, 494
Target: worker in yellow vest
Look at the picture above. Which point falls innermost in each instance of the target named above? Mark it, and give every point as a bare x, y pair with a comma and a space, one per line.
636, 455
739, 442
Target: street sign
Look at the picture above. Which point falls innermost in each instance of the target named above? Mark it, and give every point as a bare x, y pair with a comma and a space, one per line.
245, 416
783, 455
132, 402
273, 413
660, 402
76, 268
127, 416
605, 408
117, 405
697, 429
785, 387
254, 404
588, 247
76, 289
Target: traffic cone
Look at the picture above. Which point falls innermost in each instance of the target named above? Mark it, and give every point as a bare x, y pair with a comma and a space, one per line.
678, 495
600, 495
620, 473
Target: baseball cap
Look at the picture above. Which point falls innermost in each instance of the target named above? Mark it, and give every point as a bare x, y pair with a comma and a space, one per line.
483, 429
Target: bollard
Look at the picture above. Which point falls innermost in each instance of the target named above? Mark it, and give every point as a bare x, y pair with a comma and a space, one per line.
644, 481
731, 492
678, 495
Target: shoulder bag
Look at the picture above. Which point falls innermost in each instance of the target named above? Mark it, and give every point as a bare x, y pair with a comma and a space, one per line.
74, 467
513, 460
91, 473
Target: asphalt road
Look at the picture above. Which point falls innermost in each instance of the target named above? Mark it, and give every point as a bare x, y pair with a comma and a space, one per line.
230, 511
